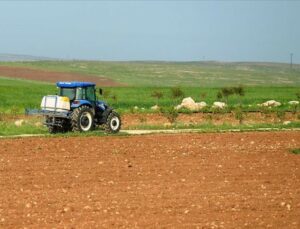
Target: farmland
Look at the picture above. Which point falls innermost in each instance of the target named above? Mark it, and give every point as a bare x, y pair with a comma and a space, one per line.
129, 87
188, 74
227, 180
204, 180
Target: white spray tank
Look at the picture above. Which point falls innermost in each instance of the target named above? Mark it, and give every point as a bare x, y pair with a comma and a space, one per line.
55, 103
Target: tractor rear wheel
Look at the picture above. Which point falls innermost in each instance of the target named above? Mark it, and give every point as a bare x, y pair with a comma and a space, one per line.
53, 129
113, 123
82, 119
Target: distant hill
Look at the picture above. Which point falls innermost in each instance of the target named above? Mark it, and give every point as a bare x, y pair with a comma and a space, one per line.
4, 57
162, 73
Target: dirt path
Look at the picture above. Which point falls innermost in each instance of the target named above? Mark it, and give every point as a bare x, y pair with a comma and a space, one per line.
53, 77
228, 180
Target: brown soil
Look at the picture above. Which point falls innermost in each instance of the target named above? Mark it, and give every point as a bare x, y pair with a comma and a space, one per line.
231, 180
53, 77
135, 120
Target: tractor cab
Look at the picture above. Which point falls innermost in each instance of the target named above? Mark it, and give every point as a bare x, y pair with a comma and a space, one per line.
77, 90
80, 93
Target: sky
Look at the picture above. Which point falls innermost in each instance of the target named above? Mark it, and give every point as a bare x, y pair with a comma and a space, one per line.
152, 30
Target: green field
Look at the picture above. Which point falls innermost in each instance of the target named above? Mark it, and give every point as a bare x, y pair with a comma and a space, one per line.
188, 74
199, 80
16, 95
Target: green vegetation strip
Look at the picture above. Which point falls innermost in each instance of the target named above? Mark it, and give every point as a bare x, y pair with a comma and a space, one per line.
16, 95
29, 130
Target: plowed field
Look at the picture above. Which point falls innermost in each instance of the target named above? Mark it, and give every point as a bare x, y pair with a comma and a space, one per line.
53, 77
229, 180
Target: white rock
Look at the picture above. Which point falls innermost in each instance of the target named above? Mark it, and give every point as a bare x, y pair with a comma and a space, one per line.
286, 122
19, 122
271, 103
190, 104
136, 107
178, 107
293, 102
201, 105
155, 107
219, 105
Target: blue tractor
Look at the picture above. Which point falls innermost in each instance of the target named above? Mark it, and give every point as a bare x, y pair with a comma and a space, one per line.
76, 108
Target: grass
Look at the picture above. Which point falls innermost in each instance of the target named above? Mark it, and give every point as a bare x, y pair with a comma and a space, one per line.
188, 74
295, 151
29, 127
16, 95
8, 128
199, 80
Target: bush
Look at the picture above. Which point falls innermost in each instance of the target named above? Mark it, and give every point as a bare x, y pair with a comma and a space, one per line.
239, 90
239, 115
225, 92
177, 92
280, 115
294, 108
170, 113
157, 94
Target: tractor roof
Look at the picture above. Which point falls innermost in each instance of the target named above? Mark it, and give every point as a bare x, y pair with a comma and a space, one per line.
74, 84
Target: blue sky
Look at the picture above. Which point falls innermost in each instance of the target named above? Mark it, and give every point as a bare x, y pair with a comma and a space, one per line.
152, 30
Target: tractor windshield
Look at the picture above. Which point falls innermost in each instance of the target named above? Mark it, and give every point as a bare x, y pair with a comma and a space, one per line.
68, 92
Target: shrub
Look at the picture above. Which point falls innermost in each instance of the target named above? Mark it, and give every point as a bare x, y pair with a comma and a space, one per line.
239, 115
239, 90
266, 111
177, 92
225, 92
280, 115
294, 108
209, 117
170, 113
158, 95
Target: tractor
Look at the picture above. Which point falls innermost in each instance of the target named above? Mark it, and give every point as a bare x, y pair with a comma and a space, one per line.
76, 108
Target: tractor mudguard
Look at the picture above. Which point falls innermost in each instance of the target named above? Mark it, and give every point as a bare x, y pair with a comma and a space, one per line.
79, 103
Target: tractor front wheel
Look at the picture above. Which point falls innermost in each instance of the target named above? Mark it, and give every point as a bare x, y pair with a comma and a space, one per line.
113, 123
82, 119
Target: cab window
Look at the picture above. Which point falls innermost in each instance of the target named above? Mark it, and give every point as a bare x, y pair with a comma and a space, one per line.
68, 92
90, 93
80, 93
